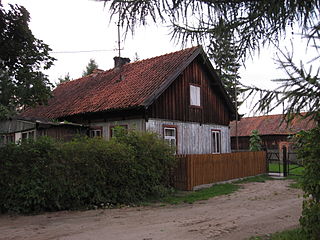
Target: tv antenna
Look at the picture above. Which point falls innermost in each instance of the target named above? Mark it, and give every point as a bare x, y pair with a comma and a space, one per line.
119, 36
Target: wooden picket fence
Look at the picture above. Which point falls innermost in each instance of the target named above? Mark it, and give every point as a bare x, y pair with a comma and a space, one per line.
198, 169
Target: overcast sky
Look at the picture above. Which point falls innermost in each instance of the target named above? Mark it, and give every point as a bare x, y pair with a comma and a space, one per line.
83, 25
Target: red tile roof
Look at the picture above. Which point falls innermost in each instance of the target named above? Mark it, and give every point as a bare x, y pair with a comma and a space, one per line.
270, 125
136, 84
103, 91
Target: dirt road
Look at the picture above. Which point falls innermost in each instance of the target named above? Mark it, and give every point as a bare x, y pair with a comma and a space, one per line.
257, 208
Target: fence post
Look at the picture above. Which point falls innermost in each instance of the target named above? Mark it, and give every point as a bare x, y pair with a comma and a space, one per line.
267, 161
284, 156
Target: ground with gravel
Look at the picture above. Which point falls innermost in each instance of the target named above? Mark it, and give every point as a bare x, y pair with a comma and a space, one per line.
257, 208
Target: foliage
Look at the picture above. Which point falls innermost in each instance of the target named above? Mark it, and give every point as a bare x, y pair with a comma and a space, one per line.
226, 58
22, 59
155, 157
298, 93
254, 23
92, 65
308, 143
45, 175
66, 78
255, 141
294, 234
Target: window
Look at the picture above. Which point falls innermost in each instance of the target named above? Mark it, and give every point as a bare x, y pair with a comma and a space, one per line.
28, 135
95, 133
170, 135
216, 141
194, 95
112, 129
4, 139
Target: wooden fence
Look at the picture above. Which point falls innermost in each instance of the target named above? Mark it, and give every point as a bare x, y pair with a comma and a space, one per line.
197, 169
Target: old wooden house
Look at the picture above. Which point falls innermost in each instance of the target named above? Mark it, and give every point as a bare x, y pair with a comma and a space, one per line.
274, 132
177, 95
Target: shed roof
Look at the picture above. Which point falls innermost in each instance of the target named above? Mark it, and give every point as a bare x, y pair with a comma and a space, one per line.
271, 125
133, 85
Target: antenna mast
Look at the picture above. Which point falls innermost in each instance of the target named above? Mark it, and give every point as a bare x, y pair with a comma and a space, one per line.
119, 41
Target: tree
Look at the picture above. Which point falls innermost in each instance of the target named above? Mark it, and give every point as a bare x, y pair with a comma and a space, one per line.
308, 143
226, 58
92, 65
255, 141
66, 78
254, 23
22, 59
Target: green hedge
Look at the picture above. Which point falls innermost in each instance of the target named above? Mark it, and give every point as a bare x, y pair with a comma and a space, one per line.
308, 146
46, 175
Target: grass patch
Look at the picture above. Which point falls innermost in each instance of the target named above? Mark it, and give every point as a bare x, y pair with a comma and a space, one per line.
293, 168
260, 178
202, 194
294, 234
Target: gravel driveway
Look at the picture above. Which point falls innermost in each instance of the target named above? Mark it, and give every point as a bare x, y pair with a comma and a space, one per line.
257, 208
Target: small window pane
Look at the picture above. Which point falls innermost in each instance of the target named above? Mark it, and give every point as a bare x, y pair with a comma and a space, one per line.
98, 133
170, 136
24, 135
170, 132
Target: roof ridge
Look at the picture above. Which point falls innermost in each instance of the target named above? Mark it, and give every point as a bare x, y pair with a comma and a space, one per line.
273, 115
163, 55
139, 61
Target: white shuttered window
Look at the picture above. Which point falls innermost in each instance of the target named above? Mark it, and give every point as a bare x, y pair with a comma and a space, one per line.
194, 95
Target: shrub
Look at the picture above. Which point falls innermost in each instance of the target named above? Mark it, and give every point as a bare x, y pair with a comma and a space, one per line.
155, 159
46, 175
255, 141
308, 143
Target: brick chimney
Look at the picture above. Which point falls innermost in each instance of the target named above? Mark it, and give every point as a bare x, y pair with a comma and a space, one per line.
119, 61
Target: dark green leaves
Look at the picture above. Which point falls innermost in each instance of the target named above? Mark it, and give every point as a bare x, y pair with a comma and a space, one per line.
22, 59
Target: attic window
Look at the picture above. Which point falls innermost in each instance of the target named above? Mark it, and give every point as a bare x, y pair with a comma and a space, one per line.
195, 95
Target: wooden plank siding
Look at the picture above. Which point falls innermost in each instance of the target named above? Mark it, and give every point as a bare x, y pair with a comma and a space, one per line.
192, 137
174, 103
198, 169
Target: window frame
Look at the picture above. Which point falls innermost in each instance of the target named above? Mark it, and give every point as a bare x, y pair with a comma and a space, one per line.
93, 131
197, 97
166, 138
28, 135
216, 141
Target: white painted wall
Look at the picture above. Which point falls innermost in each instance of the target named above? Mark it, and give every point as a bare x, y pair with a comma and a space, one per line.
193, 138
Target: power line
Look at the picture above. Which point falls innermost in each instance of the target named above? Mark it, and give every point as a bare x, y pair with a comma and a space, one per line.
84, 51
